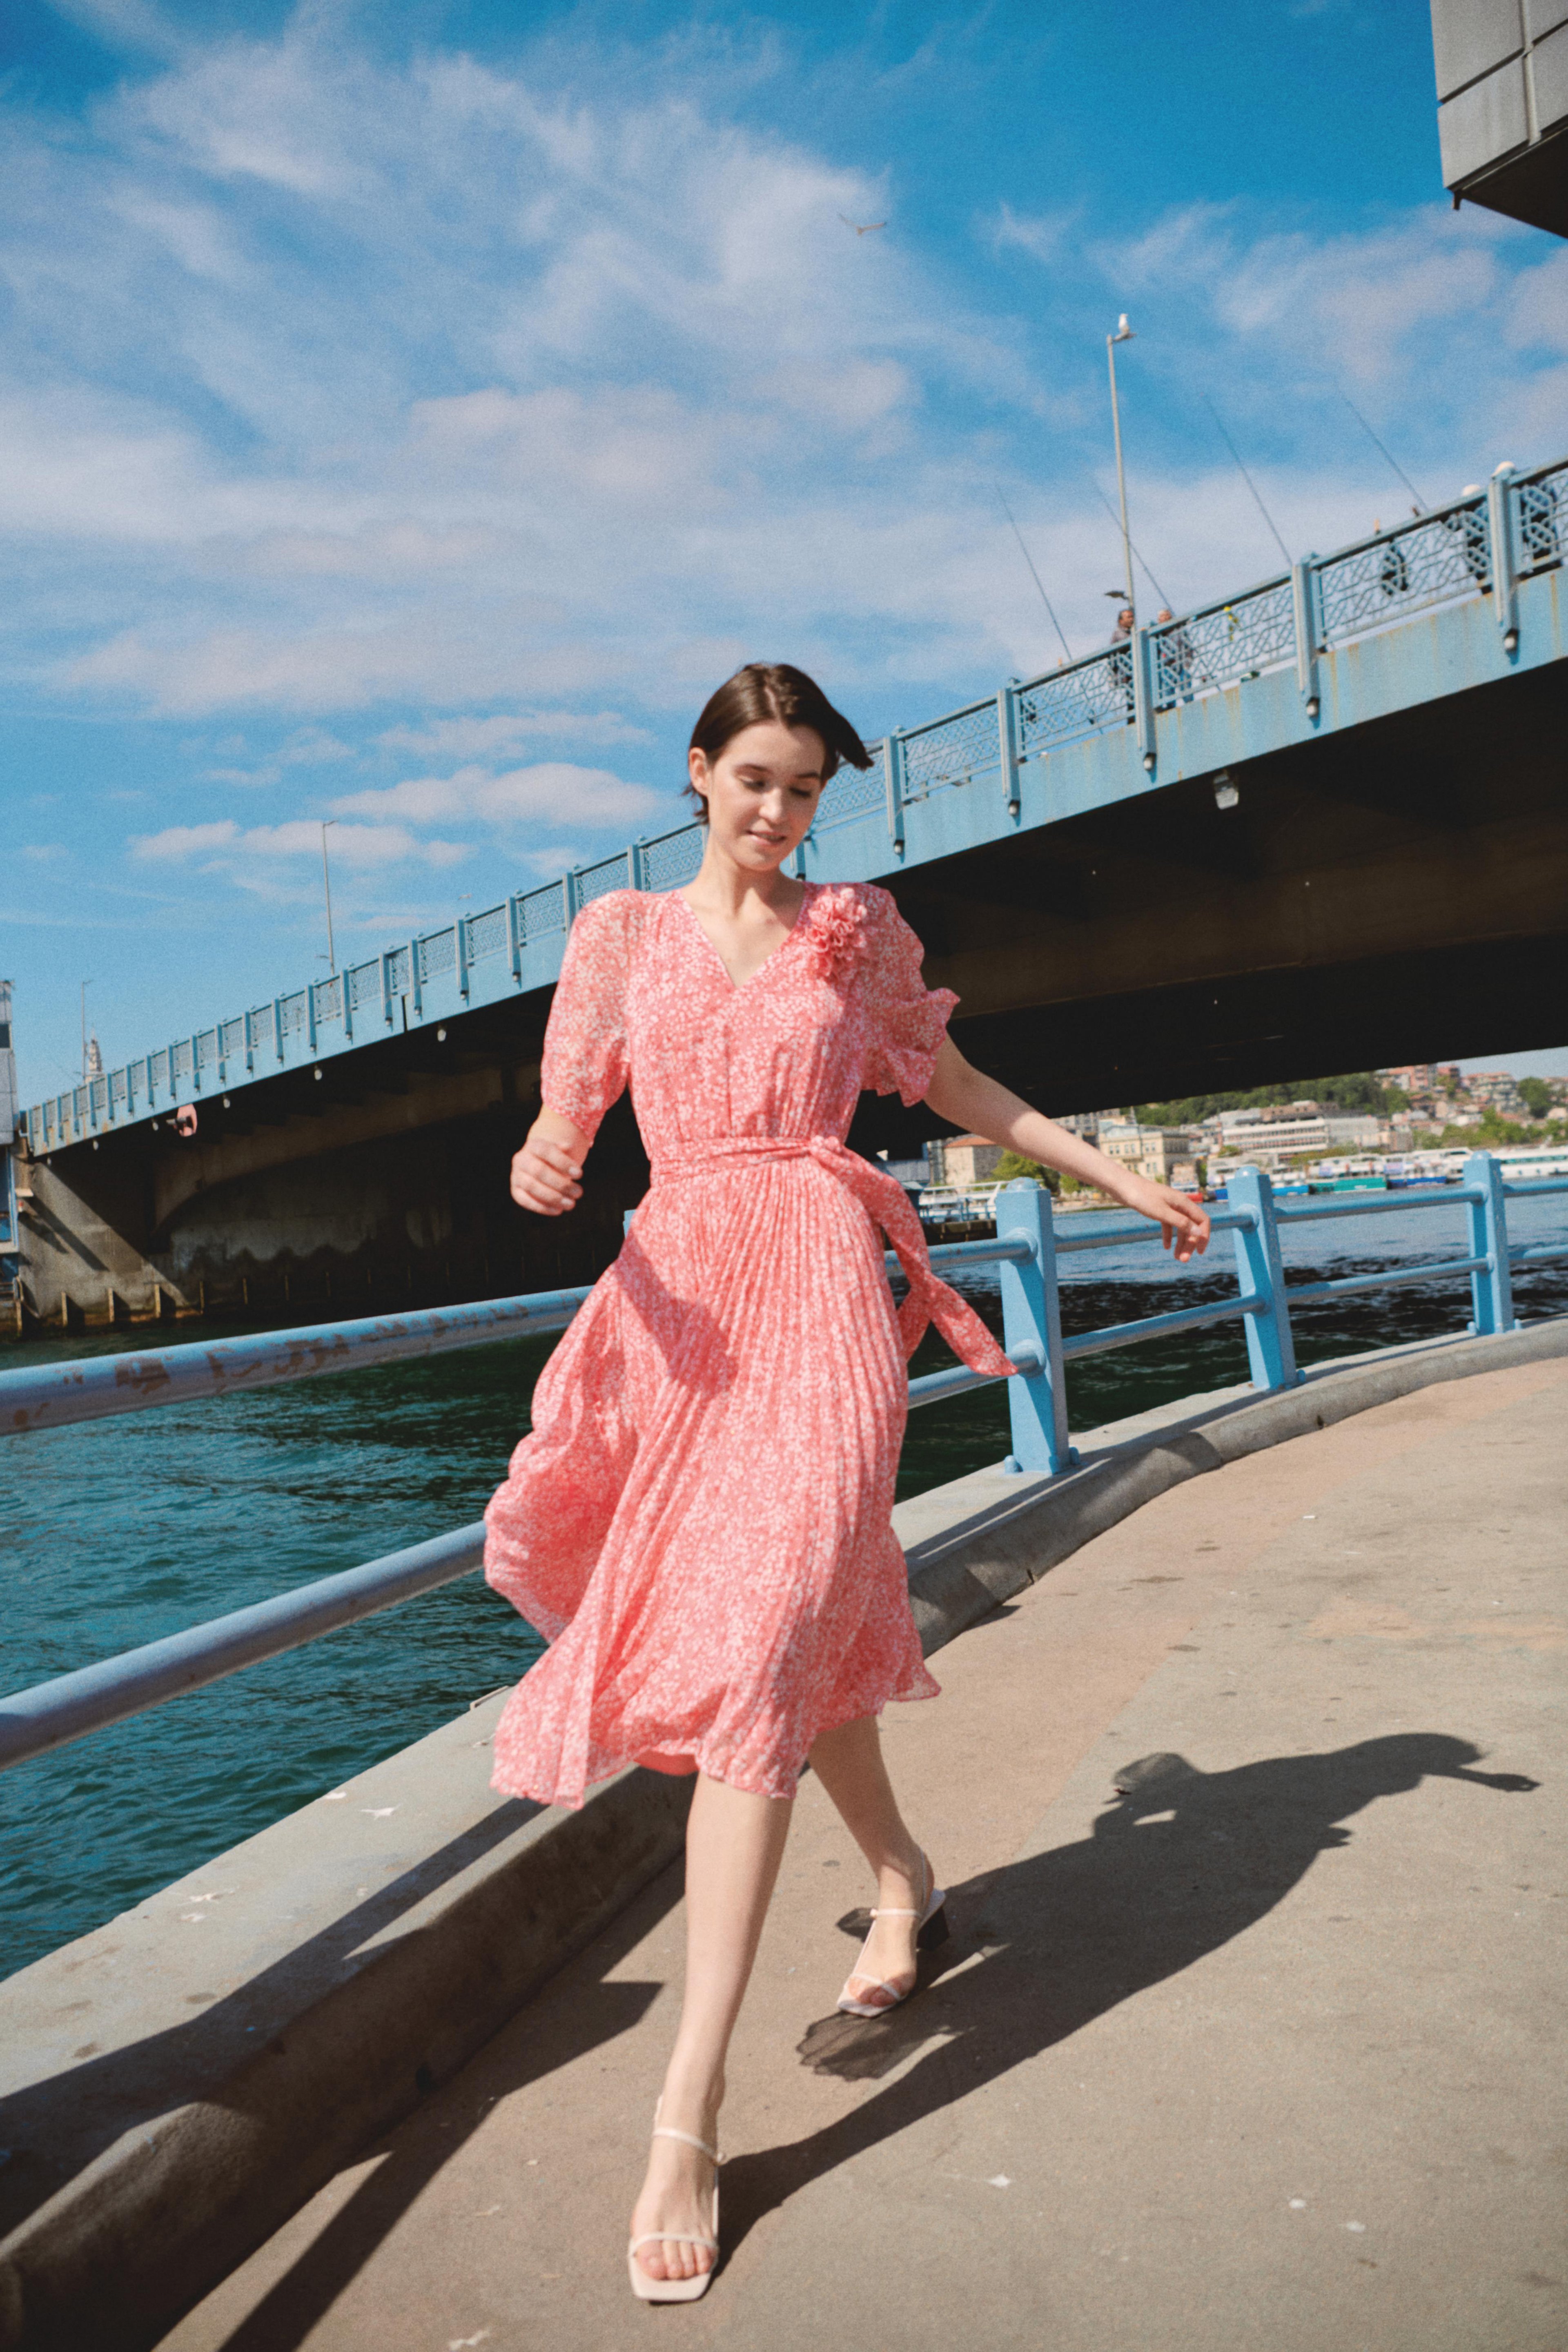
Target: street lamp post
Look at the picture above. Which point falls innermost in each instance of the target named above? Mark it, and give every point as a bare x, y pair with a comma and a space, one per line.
1124, 335
327, 885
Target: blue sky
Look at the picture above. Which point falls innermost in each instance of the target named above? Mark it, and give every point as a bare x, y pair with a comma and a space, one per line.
412, 411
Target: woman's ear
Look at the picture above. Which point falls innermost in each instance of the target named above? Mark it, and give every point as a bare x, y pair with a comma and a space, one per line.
697, 772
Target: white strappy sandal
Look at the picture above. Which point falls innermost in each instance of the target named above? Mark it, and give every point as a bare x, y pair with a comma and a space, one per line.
681, 2290
932, 1930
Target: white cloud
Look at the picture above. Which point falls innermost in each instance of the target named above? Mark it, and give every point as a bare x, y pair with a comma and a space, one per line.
554, 792
361, 847
307, 746
421, 390
458, 739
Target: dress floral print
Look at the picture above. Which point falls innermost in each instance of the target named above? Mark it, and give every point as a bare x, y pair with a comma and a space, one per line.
700, 1522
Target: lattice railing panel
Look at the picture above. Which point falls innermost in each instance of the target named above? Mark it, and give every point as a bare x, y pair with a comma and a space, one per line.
1543, 521
487, 934
670, 863
438, 953
330, 998
98, 1097
854, 792
161, 1070
261, 1025
364, 985
541, 912
231, 1037
291, 1012
609, 874
952, 752
1069, 703
1215, 649
1425, 563
399, 973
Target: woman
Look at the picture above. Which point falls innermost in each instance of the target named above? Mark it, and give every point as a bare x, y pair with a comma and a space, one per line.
700, 1523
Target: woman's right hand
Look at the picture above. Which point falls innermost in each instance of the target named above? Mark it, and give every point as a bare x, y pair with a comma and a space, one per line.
546, 1174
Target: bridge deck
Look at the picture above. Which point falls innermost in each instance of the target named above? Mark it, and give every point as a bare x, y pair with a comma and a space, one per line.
1274, 2068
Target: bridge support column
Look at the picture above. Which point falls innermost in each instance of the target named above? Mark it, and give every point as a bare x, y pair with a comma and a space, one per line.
1270, 1347
1031, 1317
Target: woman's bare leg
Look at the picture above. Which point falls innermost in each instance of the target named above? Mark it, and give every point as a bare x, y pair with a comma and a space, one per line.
849, 1763
734, 1842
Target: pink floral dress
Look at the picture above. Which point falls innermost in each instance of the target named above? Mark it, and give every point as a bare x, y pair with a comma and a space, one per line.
700, 1522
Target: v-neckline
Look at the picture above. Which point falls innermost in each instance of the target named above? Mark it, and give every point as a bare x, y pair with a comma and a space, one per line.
739, 987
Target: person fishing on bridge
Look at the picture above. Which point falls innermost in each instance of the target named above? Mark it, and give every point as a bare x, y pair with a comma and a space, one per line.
700, 1522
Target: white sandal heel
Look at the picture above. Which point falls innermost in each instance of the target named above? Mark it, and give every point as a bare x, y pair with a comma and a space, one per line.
932, 1930
684, 2290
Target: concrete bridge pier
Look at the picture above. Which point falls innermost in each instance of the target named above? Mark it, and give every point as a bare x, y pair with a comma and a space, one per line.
351, 1208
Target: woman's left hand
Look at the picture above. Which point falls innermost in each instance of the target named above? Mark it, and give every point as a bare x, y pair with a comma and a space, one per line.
1183, 1221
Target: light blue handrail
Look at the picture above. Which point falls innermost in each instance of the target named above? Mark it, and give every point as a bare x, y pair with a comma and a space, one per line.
1025, 1249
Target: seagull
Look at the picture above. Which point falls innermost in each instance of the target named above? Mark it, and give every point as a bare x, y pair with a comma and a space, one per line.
861, 229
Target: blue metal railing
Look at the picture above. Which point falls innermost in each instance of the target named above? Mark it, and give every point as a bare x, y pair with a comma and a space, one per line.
1026, 1248
1479, 546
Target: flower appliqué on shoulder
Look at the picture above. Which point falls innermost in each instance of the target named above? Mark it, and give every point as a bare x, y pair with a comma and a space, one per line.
835, 931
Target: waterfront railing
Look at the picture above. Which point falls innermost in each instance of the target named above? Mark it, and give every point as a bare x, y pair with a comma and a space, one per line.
1026, 1250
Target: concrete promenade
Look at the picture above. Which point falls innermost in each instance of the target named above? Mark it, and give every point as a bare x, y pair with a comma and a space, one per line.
1264, 2054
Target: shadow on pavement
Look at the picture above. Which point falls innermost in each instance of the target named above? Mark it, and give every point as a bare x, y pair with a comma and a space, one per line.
1180, 1863
413, 2157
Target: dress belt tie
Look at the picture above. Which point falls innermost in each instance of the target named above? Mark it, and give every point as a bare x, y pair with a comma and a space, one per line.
930, 1300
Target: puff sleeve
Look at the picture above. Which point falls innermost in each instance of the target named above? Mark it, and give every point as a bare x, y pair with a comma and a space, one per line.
906, 1021
585, 1068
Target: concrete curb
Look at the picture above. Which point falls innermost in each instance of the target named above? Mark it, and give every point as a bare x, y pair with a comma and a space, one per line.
1015, 1530
162, 2129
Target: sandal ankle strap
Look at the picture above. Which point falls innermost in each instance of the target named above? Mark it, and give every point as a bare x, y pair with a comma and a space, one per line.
667, 2131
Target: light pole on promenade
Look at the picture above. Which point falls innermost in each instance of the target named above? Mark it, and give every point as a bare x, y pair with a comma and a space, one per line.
1124, 335
327, 885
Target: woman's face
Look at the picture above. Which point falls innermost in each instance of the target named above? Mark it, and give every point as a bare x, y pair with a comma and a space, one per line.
761, 792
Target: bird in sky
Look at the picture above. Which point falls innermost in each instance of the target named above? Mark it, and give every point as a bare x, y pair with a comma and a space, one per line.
861, 229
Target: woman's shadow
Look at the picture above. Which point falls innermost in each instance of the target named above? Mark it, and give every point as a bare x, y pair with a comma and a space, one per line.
1180, 1863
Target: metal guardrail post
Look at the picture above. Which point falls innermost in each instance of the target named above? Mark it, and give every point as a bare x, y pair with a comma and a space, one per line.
1270, 1347
893, 775
1031, 1317
1008, 743
1304, 610
1140, 654
514, 935
460, 949
1491, 1285
1499, 530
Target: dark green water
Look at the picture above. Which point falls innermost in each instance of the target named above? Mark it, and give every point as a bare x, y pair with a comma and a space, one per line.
119, 1532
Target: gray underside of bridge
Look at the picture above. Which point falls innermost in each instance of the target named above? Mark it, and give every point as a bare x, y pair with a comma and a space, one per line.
1395, 890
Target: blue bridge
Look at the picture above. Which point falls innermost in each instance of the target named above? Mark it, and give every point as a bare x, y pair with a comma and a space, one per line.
1319, 823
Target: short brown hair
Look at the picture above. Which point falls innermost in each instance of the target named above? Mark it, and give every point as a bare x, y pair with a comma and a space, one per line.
775, 691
